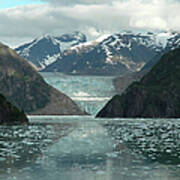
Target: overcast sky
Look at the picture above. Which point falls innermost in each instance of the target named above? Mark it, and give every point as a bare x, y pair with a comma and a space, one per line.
23, 20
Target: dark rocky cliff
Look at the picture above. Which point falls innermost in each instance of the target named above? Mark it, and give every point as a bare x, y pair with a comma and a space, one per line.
9, 114
21, 84
157, 94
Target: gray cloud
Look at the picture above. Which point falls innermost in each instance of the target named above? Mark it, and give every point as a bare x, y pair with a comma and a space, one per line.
75, 2
24, 23
27, 22
90, 2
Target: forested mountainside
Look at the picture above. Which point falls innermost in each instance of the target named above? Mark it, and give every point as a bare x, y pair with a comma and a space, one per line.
155, 95
24, 87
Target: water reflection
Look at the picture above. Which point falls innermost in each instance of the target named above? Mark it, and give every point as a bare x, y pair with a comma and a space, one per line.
93, 150
20, 146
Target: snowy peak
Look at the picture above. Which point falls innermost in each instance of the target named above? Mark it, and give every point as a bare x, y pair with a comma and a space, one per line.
41, 51
173, 42
115, 54
109, 54
86, 46
70, 40
76, 37
161, 39
46, 49
127, 44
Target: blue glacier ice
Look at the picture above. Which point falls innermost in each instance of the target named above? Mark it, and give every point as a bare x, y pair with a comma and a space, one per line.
91, 93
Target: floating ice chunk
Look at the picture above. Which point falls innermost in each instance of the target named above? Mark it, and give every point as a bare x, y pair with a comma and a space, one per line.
100, 172
112, 155
81, 94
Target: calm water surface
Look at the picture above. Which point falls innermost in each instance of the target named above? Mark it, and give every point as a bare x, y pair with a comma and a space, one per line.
75, 148
84, 148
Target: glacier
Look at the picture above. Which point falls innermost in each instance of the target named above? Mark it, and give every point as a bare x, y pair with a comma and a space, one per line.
91, 93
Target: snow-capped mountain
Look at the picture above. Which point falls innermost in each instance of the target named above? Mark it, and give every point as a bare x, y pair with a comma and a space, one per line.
170, 41
114, 54
111, 54
173, 42
46, 49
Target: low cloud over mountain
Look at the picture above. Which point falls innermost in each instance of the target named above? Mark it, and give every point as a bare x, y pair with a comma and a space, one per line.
22, 23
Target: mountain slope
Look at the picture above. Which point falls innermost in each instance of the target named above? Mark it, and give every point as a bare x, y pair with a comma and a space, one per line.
46, 49
25, 88
121, 83
156, 95
113, 55
9, 114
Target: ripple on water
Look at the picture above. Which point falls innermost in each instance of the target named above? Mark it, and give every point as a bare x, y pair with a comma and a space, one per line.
91, 149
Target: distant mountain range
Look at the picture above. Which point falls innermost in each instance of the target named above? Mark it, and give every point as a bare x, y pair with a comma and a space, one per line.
114, 54
156, 95
45, 50
24, 87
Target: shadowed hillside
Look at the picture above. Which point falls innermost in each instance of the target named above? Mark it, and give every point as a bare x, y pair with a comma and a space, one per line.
24, 87
156, 95
9, 114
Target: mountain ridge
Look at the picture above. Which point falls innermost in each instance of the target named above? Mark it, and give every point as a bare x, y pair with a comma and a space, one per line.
121, 83
111, 54
24, 87
44, 50
156, 95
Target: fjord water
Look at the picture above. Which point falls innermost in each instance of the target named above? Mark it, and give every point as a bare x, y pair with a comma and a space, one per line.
78, 148
82, 147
